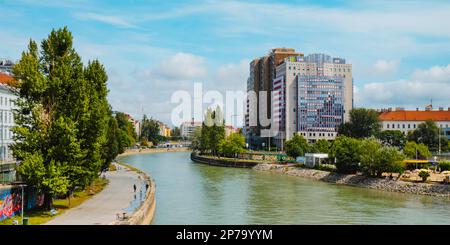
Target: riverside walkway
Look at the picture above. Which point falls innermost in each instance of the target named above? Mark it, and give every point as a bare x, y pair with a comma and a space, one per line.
102, 208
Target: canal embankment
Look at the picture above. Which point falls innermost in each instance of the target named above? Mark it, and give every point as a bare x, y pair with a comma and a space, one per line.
154, 150
142, 215
223, 162
385, 184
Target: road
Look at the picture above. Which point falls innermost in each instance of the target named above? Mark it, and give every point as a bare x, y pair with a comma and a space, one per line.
102, 208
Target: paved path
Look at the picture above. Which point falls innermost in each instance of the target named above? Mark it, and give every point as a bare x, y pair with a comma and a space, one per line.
102, 208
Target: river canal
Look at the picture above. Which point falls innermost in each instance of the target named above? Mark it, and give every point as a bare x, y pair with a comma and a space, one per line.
190, 193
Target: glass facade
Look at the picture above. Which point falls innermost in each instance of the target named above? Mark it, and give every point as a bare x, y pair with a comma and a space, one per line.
320, 103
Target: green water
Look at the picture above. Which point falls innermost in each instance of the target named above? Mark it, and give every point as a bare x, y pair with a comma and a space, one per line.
189, 193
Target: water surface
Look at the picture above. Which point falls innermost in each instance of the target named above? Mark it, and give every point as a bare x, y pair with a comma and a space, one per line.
190, 193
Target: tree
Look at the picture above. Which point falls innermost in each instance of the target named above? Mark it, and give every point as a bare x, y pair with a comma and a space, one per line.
321, 146
60, 118
363, 123
232, 145
127, 133
412, 150
150, 130
370, 151
427, 133
111, 147
196, 139
297, 146
392, 138
213, 131
176, 132
346, 151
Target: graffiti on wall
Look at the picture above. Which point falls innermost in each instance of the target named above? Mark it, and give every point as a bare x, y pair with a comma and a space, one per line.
10, 203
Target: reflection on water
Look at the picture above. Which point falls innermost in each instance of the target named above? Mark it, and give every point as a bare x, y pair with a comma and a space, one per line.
188, 193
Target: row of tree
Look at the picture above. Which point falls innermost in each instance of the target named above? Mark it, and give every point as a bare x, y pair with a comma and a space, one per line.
65, 133
211, 139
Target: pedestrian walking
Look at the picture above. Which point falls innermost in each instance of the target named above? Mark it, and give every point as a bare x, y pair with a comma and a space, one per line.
134, 187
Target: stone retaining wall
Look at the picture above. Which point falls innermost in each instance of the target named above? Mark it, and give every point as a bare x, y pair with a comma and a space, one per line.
222, 162
385, 184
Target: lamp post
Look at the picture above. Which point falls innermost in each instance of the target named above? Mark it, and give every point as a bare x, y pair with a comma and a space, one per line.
22, 197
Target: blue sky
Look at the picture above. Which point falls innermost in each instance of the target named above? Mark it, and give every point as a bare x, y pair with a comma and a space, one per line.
400, 50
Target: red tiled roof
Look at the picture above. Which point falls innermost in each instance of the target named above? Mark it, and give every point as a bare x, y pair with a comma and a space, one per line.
5, 78
415, 116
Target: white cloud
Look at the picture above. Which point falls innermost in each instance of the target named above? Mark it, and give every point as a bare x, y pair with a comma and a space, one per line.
182, 66
417, 91
436, 73
108, 19
386, 67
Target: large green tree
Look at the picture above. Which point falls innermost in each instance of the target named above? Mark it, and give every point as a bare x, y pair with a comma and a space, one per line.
363, 123
347, 153
60, 117
377, 159
392, 138
213, 131
321, 146
428, 133
127, 133
232, 145
150, 130
297, 146
412, 150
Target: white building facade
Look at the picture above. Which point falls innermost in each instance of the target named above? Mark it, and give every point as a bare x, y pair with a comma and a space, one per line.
408, 120
313, 95
187, 128
7, 104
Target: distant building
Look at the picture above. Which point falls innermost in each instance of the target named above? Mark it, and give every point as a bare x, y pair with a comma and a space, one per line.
164, 130
6, 66
408, 120
7, 104
230, 129
187, 128
137, 128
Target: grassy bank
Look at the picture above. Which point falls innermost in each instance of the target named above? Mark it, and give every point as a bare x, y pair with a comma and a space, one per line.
37, 217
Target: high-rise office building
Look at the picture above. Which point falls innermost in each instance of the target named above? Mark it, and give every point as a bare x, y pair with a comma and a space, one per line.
262, 73
313, 96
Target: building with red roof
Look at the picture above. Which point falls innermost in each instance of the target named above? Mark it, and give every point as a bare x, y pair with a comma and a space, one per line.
408, 120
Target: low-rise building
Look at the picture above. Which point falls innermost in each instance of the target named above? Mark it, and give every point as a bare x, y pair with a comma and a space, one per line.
164, 130
408, 120
187, 128
7, 104
6, 66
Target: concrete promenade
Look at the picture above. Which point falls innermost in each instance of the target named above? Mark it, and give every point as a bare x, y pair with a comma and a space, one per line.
102, 208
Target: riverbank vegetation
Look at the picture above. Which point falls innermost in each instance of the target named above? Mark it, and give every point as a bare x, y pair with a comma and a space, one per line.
64, 134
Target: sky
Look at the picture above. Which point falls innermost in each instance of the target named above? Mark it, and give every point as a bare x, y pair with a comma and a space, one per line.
400, 50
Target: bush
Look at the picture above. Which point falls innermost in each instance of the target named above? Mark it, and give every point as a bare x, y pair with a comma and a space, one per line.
424, 175
444, 165
297, 146
347, 150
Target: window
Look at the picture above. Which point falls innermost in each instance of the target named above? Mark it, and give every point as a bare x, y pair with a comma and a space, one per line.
403, 126
387, 125
409, 125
